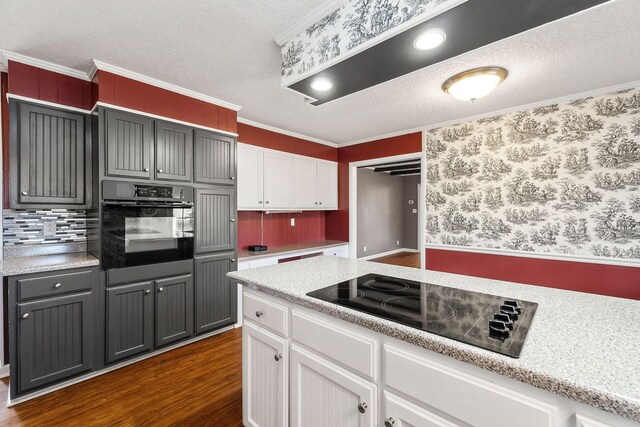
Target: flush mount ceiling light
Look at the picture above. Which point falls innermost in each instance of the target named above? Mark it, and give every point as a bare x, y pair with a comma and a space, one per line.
321, 84
474, 84
430, 39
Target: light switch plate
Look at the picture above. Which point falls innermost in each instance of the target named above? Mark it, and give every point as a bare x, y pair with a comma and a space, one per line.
293, 222
49, 228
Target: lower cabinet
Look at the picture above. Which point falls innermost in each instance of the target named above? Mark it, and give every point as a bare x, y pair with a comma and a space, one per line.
265, 368
323, 394
129, 320
216, 296
174, 309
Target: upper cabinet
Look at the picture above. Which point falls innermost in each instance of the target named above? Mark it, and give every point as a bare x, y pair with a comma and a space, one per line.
174, 148
49, 152
129, 141
274, 180
214, 158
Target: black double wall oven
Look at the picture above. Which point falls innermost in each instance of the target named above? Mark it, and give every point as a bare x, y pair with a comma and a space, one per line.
145, 224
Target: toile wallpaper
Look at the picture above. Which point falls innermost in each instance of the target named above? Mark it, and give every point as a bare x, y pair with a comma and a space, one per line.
562, 179
347, 27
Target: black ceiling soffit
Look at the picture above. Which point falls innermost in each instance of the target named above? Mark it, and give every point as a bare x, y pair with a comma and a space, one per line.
469, 26
407, 172
397, 168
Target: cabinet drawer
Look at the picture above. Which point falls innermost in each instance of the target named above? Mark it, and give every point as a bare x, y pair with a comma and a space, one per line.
468, 398
332, 341
55, 284
266, 313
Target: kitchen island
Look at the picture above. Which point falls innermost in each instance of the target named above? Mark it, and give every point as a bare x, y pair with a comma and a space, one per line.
579, 365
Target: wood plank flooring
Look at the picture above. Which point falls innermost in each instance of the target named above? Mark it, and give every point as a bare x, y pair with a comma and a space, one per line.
405, 259
196, 385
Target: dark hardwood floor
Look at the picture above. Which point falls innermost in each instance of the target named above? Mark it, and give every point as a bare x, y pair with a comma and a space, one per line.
196, 385
405, 259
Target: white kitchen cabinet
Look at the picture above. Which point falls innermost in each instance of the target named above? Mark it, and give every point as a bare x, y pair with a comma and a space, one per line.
327, 185
323, 394
278, 181
401, 413
305, 179
265, 381
250, 178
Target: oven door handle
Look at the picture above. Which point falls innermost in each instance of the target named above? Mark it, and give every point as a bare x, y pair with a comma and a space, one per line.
150, 205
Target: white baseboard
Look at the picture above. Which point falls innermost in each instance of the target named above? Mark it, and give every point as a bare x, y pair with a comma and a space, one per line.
381, 254
4, 371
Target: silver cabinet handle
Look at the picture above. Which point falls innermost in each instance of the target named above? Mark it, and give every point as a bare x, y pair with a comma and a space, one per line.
389, 422
233, 220
147, 292
362, 407
259, 313
24, 316
277, 357
146, 169
24, 193
159, 170
57, 285
160, 289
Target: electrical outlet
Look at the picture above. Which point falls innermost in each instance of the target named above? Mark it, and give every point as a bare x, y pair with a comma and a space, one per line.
49, 228
293, 222
365, 249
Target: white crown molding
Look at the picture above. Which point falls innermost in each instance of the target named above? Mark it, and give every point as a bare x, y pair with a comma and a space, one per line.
103, 66
537, 255
6, 56
48, 104
286, 132
559, 100
310, 18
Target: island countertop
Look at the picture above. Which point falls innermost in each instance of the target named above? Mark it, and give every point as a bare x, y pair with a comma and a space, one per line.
582, 346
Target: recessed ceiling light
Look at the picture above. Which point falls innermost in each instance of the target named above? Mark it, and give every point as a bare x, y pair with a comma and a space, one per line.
474, 84
321, 84
430, 39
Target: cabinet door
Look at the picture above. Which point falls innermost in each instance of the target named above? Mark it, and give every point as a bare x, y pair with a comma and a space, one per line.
215, 219
250, 179
174, 151
265, 382
323, 394
400, 413
305, 184
54, 340
129, 320
174, 309
48, 156
216, 295
327, 185
214, 158
129, 144
278, 185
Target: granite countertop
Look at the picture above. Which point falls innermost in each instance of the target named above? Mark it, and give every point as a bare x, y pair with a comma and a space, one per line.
286, 249
581, 346
38, 264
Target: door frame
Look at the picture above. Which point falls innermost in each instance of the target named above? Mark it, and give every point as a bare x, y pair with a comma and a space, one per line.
353, 199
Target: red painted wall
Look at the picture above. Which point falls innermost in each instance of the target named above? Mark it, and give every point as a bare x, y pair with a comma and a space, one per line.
337, 222
44, 85
600, 279
277, 141
124, 92
310, 227
5, 137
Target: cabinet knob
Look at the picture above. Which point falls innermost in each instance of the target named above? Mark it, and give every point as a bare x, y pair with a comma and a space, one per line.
316, 203
232, 178
160, 289
362, 407
389, 422
24, 193
233, 220
159, 170
57, 285
233, 260
267, 202
277, 357
24, 316
320, 203
147, 292
146, 169
259, 313
259, 201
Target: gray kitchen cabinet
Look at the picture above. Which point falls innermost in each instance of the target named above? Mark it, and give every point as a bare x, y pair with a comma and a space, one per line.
215, 228
173, 151
216, 295
214, 158
129, 320
54, 340
49, 152
129, 145
174, 309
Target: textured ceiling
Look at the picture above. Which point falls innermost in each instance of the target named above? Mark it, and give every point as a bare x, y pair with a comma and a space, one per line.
225, 49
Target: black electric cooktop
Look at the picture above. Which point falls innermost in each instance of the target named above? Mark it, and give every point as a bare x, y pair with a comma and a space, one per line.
491, 322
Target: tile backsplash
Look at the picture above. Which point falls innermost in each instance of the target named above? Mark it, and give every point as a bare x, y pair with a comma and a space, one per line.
27, 227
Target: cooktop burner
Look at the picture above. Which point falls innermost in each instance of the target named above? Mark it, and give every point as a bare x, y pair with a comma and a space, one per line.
492, 322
